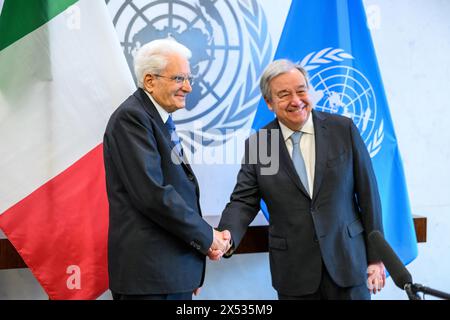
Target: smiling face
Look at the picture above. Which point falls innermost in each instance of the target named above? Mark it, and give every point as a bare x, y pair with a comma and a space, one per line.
167, 92
290, 99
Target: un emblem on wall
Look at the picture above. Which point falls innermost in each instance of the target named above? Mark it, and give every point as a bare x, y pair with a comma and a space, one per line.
230, 46
344, 90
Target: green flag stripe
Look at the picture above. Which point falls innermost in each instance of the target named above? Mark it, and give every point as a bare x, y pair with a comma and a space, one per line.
21, 17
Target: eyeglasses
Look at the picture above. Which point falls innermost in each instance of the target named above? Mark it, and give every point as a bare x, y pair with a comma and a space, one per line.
178, 78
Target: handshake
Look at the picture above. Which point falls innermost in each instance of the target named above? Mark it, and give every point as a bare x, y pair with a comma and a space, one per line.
220, 245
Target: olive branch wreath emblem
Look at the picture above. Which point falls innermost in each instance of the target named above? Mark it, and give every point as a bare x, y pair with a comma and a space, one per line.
244, 104
316, 60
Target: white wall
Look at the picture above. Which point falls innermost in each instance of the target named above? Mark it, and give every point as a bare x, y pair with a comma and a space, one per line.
412, 42
413, 46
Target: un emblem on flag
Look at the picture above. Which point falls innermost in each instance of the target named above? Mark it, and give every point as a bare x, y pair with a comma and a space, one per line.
230, 47
340, 88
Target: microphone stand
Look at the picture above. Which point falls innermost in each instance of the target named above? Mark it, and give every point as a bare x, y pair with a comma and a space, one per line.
412, 294
413, 288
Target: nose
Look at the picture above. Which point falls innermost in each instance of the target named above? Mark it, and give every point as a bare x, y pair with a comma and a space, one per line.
296, 100
186, 86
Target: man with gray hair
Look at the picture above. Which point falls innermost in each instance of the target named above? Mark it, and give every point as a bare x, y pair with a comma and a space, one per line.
323, 201
158, 240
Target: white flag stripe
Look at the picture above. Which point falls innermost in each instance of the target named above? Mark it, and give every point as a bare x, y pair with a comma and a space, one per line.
64, 112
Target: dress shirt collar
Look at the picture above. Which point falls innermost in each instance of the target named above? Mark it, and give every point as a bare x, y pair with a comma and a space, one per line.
308, 127
162, 113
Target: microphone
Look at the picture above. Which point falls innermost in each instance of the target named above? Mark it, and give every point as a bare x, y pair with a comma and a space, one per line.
400, 275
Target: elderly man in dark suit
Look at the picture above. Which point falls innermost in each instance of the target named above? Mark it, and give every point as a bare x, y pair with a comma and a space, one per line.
157, 240
321, 194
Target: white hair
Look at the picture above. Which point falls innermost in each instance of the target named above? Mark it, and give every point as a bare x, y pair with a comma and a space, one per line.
151, 58
273, 70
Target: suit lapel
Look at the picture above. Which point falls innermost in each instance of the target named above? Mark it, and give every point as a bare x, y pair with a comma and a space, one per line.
286, 160
322, 141
151, 109
147, 104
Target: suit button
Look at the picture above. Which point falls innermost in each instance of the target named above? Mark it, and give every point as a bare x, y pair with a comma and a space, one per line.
195, 245
190, 177
315, 238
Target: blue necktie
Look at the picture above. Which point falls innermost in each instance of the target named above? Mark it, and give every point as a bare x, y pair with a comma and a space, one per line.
174, 137
297, 159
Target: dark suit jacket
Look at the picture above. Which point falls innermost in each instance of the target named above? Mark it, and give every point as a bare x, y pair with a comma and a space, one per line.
333, 225
157, 239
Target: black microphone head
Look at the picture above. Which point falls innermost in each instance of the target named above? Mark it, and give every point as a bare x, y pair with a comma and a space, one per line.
400, 275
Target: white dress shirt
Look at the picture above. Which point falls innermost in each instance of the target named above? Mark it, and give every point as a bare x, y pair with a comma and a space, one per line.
307, 148
162, 112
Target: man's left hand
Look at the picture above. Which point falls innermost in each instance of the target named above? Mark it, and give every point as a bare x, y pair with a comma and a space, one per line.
376, 277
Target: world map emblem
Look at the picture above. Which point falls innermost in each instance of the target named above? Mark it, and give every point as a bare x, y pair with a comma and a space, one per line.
342, 89
230, 47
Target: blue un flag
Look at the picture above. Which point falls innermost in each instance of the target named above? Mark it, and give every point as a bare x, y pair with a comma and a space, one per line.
331, 40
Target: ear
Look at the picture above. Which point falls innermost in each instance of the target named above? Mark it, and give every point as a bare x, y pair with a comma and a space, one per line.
149, 82
269, 104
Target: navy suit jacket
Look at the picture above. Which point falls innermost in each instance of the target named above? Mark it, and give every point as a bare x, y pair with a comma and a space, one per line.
157, 239
331, 226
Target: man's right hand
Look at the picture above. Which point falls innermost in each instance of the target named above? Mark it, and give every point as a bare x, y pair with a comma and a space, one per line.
220, 245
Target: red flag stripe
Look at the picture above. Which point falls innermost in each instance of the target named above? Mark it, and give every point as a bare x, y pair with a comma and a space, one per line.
61, 228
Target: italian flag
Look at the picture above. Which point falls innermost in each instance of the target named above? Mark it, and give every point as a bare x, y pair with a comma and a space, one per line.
62, 74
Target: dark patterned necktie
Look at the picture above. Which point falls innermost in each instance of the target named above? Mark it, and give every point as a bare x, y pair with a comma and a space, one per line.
174, 137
